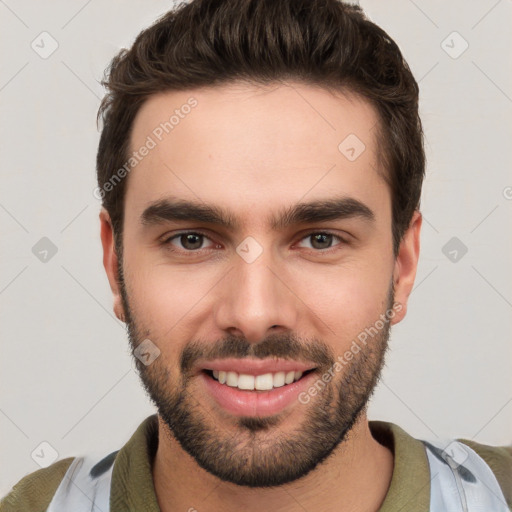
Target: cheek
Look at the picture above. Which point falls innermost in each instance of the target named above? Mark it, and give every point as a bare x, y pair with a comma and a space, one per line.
163, 298
347, 298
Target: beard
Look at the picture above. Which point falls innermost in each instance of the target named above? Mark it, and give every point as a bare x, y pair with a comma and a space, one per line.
259, 453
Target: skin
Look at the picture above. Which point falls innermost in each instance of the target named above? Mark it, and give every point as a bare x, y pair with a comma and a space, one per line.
254, 150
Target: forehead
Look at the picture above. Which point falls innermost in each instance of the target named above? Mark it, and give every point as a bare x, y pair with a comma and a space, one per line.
249, 147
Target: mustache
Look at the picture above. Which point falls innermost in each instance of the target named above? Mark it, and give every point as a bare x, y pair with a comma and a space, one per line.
283, 346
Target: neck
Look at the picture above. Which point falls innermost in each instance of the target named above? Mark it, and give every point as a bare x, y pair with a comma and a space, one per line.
355, 477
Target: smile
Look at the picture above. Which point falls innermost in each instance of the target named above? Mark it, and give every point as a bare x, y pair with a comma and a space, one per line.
262, 382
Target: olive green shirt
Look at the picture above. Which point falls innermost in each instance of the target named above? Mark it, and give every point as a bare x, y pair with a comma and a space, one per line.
132, 486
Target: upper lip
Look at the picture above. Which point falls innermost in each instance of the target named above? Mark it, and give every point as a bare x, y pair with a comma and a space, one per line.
255, 366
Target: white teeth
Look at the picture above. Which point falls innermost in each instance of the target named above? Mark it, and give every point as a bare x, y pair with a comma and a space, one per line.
289, 377
232, 379
245, 381
262, 382
278, 379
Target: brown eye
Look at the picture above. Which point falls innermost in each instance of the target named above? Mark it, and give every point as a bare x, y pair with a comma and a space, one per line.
320, 240
191, 241
187, 242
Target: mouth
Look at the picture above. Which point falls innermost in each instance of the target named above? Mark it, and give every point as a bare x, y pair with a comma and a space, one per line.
256, 383
257, 394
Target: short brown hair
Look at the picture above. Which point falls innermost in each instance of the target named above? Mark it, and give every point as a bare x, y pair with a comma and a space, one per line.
320, 42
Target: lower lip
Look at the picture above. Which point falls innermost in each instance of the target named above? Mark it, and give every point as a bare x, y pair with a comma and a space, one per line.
255, 403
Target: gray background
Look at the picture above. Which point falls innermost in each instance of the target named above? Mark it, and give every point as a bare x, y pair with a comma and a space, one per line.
67, 378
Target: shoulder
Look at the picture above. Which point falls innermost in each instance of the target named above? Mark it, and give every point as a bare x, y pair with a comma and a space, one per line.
499, 459
34, 492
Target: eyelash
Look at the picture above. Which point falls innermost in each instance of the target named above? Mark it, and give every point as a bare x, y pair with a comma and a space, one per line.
167, 241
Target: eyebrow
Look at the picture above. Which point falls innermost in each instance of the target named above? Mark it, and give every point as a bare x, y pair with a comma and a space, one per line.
174, 209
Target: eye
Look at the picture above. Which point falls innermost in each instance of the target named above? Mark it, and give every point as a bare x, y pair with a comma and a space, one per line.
193, 241
322, 240
189, 241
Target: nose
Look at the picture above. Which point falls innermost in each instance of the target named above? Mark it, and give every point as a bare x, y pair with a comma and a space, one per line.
256, 300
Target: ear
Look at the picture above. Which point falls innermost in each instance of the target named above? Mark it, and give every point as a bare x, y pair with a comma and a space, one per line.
110, 262
406, 264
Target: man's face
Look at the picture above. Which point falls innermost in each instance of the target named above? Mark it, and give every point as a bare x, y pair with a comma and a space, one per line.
297, 288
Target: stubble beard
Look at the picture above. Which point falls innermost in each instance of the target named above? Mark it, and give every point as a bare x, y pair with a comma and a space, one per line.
259, 453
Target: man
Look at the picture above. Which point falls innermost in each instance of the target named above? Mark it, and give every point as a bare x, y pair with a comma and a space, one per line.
260, 166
